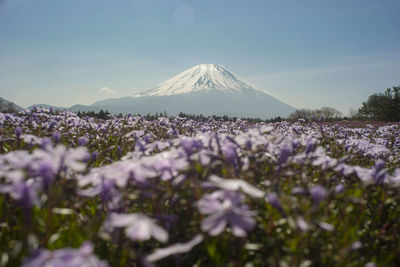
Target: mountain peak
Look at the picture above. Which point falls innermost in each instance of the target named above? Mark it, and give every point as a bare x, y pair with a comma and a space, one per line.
209, 67
202, 77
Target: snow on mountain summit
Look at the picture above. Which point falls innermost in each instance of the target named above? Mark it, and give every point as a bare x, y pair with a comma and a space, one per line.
202, 77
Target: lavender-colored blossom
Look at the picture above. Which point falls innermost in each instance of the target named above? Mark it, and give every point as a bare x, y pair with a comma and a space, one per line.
231, 155
56, 136
45, 171
318, 193
178, 248
66, 257
284, 153
302, 224
138, 226
169, 168
94, 155
325, 162
82, 141
18, 132
310, 143
25, 192
234, 185
31, 139
45, 142
273, 199
140, 146
190, 145
339, 189
108, 193
225, 207
61, 159
377, 174
344, 169
394, 179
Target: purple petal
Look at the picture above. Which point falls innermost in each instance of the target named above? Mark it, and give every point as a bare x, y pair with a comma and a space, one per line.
214, 224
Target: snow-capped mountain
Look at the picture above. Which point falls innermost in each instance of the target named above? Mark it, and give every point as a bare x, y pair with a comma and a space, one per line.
202, 77
206, 89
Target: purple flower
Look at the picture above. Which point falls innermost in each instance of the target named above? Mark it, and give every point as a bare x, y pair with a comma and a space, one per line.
18, 132
231, 155
273, 199
324, 161
140, 146
318, 193
302, 224
310, 143
190, 145
169, 168
178, 248
108, 193
394, 179
25, 192
284, 154
56, 136
94, 155
344, 169
248, 144
45, 171
45, 142
234, 185
339, 188
377, 174
82, 141
138, 226
66, 257
225, 207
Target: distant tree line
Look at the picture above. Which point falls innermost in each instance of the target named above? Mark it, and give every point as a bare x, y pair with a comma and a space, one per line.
102, 114
382, 106
226, 118
325, 113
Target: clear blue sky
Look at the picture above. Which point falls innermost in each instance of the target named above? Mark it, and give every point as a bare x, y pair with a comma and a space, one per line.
309, 53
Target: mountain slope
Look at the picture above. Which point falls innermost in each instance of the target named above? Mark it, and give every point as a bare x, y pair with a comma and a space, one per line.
205, 103
6, 105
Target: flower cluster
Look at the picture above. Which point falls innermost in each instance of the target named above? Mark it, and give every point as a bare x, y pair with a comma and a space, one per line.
176, 191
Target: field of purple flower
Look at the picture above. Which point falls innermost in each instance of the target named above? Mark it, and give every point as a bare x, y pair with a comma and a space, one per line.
178, 192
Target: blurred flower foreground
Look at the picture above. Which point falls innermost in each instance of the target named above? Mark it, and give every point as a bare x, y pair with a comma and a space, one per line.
140, 191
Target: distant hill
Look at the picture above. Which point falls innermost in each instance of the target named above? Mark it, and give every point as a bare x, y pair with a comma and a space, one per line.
6, 105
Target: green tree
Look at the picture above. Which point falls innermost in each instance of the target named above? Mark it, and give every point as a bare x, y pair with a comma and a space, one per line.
382, 106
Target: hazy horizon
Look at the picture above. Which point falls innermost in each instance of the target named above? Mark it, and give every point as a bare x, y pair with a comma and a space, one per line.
308, 55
